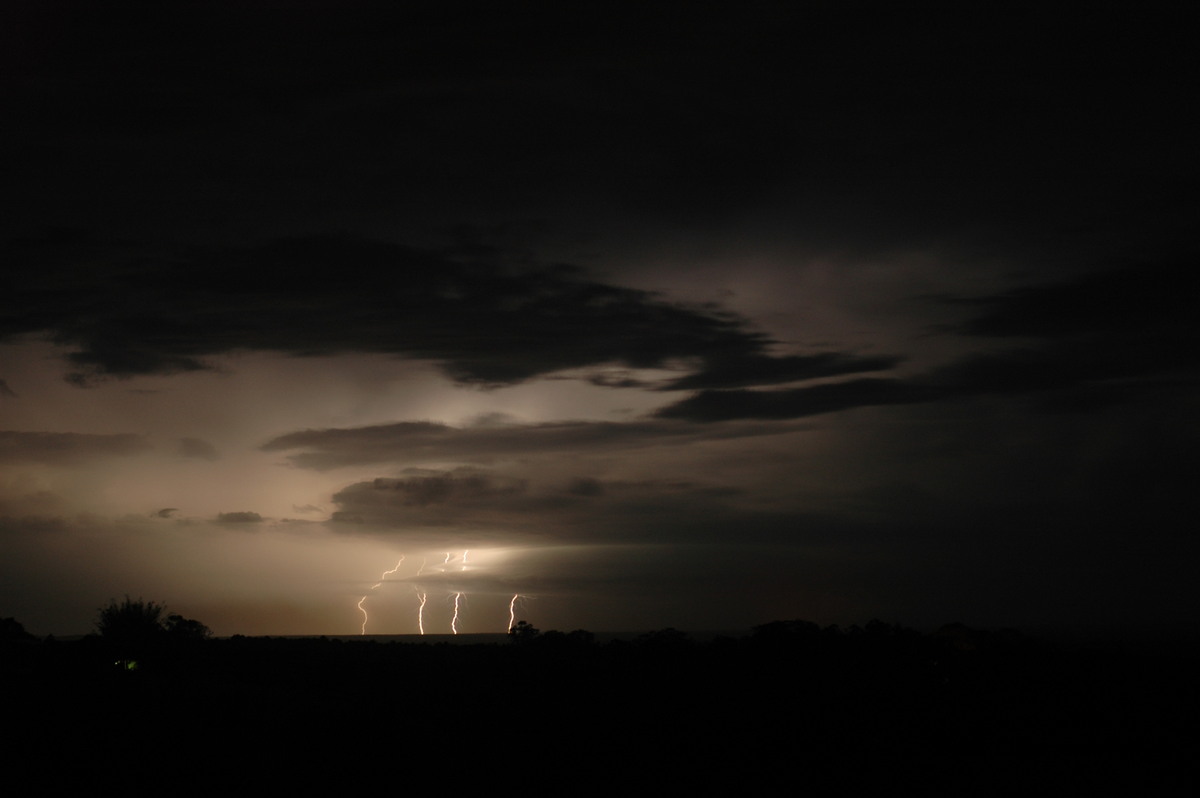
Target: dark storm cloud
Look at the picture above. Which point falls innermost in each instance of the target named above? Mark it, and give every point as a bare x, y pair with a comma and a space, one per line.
873, 148
620, 379
586, 486
1114, 332
1132, 299
67, 447
197, 449
428, 495
1054, 367
880, 128
796, 403
1108, 336
1065, 378
750, 370
460, 486
240, 517
324, 449
161, 312
573, 509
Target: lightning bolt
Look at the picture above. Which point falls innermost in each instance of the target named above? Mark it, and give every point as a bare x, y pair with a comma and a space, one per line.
364, 613
384, 576
512, 611
423, 595
457, 596
421, 609
454, 620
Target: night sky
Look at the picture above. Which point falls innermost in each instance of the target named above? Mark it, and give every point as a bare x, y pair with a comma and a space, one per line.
691, 315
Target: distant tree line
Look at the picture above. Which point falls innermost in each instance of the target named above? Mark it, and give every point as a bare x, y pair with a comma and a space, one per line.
786, 689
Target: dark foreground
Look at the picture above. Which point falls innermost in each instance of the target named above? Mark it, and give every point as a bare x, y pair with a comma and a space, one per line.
789, 709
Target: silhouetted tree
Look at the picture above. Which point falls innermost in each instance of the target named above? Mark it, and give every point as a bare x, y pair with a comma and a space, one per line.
131, 627
581, 637
523, 632
130, 620
553, 637
11, 629
180, 628
664, 639
786, 631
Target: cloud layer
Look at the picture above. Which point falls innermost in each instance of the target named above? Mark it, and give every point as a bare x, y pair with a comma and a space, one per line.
67, 447
485, 322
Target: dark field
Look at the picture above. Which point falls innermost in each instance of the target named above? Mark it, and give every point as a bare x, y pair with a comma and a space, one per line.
788, 707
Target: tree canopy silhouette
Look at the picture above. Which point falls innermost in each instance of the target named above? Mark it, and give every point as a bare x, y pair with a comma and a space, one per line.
523, 632
180, 628
133, 628
131, 622
12, 629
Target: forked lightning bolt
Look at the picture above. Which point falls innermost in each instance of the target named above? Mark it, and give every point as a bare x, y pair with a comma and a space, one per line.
423, 595
385, 575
